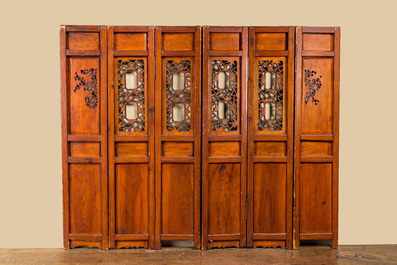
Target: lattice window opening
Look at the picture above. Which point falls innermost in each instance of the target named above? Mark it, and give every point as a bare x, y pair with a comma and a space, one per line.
131, 95
270, 95
178, 96
224, 96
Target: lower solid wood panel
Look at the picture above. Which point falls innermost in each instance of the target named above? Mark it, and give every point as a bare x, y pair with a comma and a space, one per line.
85, 198
224, 198
270, 200
177, 199
132, 199
315, 197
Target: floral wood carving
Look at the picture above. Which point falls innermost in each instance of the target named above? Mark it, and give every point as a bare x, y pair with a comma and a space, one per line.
131, 95
314, 85
227, 95
178, 97
270, 99
91, 86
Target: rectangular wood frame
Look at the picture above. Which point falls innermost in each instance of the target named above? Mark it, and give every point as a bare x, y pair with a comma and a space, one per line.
224, 142
84, 136
131, 141
178, 143
257, 186
316, 149
270, 150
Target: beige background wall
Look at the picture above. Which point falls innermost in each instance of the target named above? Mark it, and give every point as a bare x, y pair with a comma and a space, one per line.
30, 142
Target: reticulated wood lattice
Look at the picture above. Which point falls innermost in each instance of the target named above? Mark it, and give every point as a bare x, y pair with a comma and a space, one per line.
131, 95
270, 95
91, 101
227, 95
314, 85
179, 97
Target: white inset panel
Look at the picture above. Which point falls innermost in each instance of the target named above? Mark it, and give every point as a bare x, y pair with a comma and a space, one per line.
131, 80
178, 81
178, 112
131, 110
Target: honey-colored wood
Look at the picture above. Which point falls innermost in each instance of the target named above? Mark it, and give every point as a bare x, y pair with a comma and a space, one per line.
316, 134
84, 136
309, 254
224, 154
131, 149
178, 147
224, 149
92, 149
270, 151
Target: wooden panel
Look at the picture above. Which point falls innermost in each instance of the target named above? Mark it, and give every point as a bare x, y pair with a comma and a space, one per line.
317, 103
316, 149
84, 136
270, 149
178, 149
224, 136
224, 198
130, 41
270, 137
315, 199
318, 42
177, 199
131, 136
224, 149
84, 115
178, 41
178, 139
271, 41
132, 194
224, 41
85, 149
126, 149
83, 41
85, 198
270, 200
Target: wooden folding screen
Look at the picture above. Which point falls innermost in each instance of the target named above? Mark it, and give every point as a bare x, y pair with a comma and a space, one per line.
84, 136
316, 134
224, 142
270, 136
131, 136
178, 97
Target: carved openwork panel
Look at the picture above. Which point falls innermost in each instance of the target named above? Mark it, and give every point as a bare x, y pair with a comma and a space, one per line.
314, 85
90, 86
224, 95
178, 99
131, 95
270, 95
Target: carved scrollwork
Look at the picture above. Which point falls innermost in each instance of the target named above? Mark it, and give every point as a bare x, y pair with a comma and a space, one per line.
224, 95
270, 95
314, 85
131, 95
91, 86
178, 97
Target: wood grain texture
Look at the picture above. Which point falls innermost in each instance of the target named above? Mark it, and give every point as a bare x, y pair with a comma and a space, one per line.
224, 200
177, 207
316, 134
131, 152
84, 136
270, 152
345, 254
132, 199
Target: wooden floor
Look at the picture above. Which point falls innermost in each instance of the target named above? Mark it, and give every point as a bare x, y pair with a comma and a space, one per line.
368, 254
